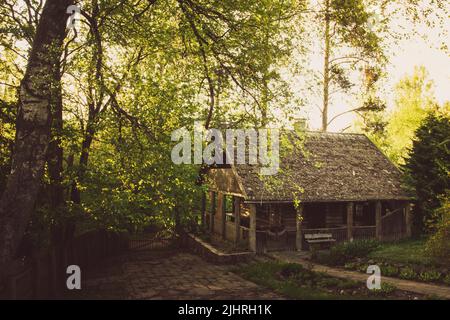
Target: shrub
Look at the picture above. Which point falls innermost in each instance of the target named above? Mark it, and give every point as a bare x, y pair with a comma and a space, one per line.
427, 168
348, 284
389, 270
386, 289
344, 252
430, 276
351, 265
447, 279
408, 273
328, 282
438, 245
291, 270
363, 267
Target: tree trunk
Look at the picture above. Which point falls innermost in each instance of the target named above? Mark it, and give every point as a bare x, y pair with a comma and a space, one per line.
326, 68
55, 151
96, 89
84, 157
32, 127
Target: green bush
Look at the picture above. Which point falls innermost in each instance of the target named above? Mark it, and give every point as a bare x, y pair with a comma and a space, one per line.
438, 245
363, 267
291, 270
348, 284
389, 270
428, 276
346, 251
447, 279
351, 266
327, 282
408, 273
386, 289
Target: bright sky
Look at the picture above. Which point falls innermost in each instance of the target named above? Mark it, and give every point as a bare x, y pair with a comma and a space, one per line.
404, 56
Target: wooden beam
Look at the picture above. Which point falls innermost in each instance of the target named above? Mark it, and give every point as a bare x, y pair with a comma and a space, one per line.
223, 218
212, 196
378, 231
203, 213
298, 223
408, 219
220, 211
350, 209
237, 219
252, 232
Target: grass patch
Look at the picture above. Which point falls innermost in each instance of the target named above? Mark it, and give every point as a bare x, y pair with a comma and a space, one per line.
406, 252
296, 282
345, 252
405, 259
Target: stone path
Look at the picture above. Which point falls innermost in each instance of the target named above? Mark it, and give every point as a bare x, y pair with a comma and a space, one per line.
168, 275
412, 286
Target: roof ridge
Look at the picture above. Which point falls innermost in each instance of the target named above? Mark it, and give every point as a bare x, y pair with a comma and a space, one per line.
336, 133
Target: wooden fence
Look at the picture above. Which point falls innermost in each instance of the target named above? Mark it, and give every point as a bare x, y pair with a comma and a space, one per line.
43, 276
393, 226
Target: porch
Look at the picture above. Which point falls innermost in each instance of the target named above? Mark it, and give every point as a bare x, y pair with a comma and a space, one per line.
266, 226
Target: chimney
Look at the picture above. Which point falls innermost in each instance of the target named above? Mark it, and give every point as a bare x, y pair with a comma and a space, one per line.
300, 124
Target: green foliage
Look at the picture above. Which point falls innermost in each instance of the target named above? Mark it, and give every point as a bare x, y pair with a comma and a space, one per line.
428, 169
346, 251
430, 276
394, 131
389, 270
402, 252
385, 290
295, 281
446, 279
408, 273
409, 251
291, 270
438, 245
413, 98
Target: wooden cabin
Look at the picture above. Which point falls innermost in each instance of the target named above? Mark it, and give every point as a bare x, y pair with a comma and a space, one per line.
334, 184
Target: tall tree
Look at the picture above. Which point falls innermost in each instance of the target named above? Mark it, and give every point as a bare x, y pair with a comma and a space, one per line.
428, 167
32, 126
349, 43
413, 99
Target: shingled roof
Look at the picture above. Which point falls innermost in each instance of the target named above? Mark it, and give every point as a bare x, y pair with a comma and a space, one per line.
326, 167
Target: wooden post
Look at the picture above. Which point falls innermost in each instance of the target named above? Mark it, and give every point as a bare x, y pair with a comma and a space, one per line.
223, 218
212, 195
350, 210
220, 211
237, 219
252, 232
203, 213
299, 232
408, 220
378, 231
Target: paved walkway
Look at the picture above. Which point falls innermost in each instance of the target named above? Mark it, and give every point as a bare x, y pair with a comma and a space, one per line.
412, 286
168, 275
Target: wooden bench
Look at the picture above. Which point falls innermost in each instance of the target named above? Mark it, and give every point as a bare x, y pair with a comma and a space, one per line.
317, 239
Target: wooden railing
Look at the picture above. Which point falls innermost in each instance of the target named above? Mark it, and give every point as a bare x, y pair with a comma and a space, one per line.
364, 232
149, 243
339, 234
